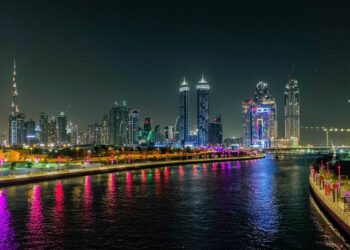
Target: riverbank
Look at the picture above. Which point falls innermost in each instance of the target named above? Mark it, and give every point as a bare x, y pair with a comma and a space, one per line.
331, 204
68, 173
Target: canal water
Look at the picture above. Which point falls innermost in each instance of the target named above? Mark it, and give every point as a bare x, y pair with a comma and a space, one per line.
254, 204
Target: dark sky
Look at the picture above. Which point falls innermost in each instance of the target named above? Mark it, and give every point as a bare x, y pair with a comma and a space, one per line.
87, 54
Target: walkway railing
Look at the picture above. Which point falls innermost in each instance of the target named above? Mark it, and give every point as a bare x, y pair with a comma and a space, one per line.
337, 207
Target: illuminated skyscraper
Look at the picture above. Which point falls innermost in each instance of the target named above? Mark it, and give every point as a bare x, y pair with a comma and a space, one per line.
133, 127
44, 128
104, 130
169, 134
16, 118
53, 131
259, 118
118, 124
203, 111
183, 118
30, 132
62, 128
215, 130
147, 130
292, 112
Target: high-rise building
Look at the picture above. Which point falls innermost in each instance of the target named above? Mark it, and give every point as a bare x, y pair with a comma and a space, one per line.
133, 127
157, 135
62, 128
104, 131
203, 111
94, 134
30, 132
215, 130
184, 109
44, 128
16, 118
37, 133
259, 118
53, 139
147, 130
169, 134
292, 112
118, 124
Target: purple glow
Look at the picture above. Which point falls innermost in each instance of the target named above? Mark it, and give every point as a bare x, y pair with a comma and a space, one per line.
7, 233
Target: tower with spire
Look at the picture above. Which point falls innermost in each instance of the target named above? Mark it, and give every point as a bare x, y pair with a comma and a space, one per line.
203, 111
183, 116
16, 118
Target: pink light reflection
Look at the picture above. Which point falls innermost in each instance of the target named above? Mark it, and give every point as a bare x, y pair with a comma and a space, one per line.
36, 219
111, 195
128, 188
88, 214
157, 180
7, 234
59, 208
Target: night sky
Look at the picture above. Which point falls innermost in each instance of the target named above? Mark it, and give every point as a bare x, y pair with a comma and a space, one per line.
81, 56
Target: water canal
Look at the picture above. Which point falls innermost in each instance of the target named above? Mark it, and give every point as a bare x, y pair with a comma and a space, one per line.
234, 205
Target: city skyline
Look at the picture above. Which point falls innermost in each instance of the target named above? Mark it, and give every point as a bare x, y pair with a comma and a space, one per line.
83, 64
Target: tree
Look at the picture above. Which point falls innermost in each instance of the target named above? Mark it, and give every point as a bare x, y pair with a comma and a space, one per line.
29, 165
12, 167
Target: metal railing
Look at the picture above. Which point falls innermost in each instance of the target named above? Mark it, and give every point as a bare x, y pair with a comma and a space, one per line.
343, 214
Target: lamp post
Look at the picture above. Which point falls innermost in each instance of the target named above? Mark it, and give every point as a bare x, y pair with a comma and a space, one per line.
339, 176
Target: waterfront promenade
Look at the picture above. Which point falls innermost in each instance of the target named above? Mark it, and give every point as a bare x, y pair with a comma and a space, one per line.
66, 173
330, 201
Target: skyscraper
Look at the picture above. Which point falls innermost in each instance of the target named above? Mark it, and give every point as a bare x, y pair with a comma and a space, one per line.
169, 134
157, 135
44, 128
133, 127
118, 124
292, 112
16, 118
147, 130
62, 128
203, 111
53, 131
183, 118
215, 130
30, 132
104, 130
259, 118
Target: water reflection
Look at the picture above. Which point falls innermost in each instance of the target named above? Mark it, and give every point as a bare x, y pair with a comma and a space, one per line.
181, 174
166, 176
128, 187
111, 196
157, 181
59, 209
246, 205
88, 198
36, 220
263, 210
7, 234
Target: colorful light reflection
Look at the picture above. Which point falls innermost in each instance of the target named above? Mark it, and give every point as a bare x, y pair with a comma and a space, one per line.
36, 219
7, 233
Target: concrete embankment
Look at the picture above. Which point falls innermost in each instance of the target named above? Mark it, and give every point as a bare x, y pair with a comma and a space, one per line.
45, 176
334, 210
